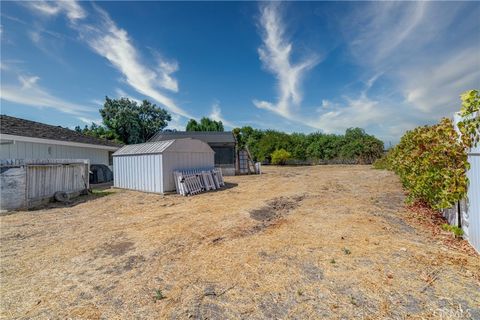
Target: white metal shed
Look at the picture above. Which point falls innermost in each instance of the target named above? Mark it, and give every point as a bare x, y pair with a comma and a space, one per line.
149, 166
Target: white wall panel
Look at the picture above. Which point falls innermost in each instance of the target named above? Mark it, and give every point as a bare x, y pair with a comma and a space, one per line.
184, 160
138, 172
473, 196
30, 150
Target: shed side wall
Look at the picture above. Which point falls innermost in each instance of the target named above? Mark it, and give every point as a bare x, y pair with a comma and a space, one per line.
138, 172
183, 160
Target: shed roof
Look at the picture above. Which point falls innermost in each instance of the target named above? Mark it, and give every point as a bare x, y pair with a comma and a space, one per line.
26, 128
156, 147
206, 136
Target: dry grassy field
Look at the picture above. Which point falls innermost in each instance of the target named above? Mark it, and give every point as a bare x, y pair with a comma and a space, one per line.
323, 242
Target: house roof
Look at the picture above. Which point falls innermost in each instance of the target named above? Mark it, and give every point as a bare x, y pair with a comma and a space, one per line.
156, 147
26, 128
205, 136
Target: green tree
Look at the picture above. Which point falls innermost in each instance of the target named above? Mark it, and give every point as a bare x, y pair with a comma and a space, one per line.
270, 141
98, 131
324, 146
133, 123
205, 124
361, 146
299, 144
280, 156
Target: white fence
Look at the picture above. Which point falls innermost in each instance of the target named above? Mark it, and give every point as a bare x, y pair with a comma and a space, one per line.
472, 225
27, 183
194, 181
467, 213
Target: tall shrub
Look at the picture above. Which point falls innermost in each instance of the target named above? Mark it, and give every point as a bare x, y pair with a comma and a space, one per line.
431, 161
280, 156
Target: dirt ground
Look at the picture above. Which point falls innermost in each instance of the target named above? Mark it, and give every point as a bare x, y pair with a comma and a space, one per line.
323, 242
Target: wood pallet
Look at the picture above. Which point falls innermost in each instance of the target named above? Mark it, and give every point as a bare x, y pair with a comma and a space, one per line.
194, 181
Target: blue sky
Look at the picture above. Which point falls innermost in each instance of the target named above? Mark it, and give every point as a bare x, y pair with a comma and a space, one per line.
383, 66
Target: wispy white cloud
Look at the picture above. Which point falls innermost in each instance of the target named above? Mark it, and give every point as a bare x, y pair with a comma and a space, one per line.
114, 43
435, 89
108, 40
28, 92
385, 26
412, 44
177, 123
361, 111
165, 70
275, 54
52, 8
88, 121
122, 94
422, 66
97, 102
216, 115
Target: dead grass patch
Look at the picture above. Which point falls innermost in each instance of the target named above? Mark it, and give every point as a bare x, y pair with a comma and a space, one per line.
272, 247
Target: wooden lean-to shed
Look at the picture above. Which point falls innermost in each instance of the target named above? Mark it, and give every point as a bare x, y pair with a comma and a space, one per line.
149, 166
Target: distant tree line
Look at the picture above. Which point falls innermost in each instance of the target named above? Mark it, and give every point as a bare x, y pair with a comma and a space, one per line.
355, 146
126, 121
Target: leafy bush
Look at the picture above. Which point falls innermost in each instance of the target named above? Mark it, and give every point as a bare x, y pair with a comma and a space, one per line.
457, 231
280, 156
432, 161
381, 163
470, 111
355, 146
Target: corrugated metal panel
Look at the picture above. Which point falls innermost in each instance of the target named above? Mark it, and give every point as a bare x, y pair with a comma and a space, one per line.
154, 172
144, 148
139, 172
180, 160
178, 145
473, 211
206, 136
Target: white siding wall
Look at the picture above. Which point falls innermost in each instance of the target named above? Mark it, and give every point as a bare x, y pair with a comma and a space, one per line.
30, 150
184, 160
138, 172
471, 213
473, 227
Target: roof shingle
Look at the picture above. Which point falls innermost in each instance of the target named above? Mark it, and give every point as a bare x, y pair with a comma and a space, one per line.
26, 128
205, 136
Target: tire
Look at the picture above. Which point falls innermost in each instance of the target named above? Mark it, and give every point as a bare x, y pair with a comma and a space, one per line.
61, 196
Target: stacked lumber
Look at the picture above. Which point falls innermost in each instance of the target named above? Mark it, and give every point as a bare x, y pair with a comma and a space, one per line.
193, 181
